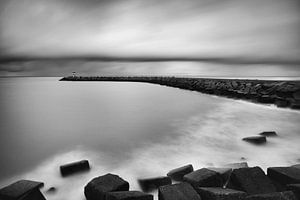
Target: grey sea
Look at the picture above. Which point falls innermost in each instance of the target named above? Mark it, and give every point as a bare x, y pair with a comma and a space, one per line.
132, 129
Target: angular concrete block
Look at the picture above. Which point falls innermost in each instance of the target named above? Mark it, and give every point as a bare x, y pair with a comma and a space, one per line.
180, 191
178, 173
204, 177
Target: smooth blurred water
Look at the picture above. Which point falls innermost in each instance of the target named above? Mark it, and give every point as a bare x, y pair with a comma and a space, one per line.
132, 129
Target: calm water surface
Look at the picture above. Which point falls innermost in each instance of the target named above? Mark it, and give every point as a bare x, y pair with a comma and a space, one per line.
132, 129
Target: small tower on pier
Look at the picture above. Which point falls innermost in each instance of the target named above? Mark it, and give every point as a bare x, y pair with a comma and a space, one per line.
73, 74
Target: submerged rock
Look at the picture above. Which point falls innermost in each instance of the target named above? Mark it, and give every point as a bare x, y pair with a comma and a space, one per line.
287, 195
204, 177
213, 193
178, 173
22, 190
51, 190
150, 184
128, 195
180, 191
256, 139
74, 167
251, 180
268, 133
98, 187
284, 175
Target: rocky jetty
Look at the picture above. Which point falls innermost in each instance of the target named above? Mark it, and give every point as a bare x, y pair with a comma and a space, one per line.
279, 93
239, 182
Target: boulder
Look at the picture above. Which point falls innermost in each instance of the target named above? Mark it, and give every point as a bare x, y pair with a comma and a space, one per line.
128, 195
284, 175
23, 189
98, 187
295, 188
204, 177
281, 103
268, 133
180, 191
237, 165
256, 139
287, 195
251, 180
149, 184
74, 167
224, 172
265, 99
178, 173
213, 193
297, 166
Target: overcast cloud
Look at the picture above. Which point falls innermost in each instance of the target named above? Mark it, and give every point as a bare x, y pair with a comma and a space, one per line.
259, 29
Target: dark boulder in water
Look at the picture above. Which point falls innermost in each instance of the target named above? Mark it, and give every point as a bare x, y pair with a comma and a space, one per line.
98, 187
284, 175
224, 172
295, 188
213, 193
74, 167
251, 180
51, 190
178, 173
287, 195
268, 133
237, 165
22, 190
204, 178
256, 139
180, 191
128, 195
149, 184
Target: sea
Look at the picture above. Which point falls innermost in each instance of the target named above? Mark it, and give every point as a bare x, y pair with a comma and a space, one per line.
135, 130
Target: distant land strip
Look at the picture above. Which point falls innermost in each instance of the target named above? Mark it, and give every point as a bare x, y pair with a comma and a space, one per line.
285, 94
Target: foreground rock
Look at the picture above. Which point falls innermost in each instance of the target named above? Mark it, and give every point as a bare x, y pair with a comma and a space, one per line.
251, 180
213, 193
295, 188
284, 175
22, 190
256, 139
74, 167
287, 195
128, 195
98, 187
178, 173
224, 172
204, 177
237, 165
150, 184
268, 133
180, 191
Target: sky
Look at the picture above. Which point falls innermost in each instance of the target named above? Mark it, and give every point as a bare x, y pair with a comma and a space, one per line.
256, 30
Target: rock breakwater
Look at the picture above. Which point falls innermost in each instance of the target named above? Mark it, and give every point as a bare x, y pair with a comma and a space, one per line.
279, 93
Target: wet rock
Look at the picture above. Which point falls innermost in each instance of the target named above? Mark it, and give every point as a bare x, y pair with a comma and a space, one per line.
295, 188
98, 187
251, 180
265, 99
268, 133
224, 172
297, 166
237, 165
150, 184
51, 190
74, 167
284, 175
128, 195
281, 103
178, 173
180, 191
22, 190
204, 177
287, 195
256, 139
213, 193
